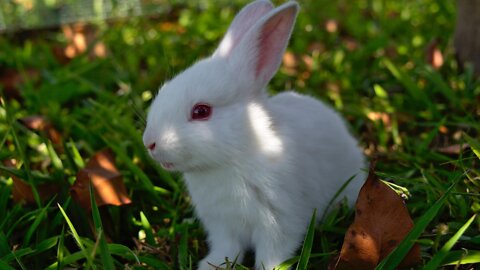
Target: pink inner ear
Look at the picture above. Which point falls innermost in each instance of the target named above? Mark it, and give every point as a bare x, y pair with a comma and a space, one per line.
272, 41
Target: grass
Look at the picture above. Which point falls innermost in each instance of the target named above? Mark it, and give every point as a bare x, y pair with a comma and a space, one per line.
367, 58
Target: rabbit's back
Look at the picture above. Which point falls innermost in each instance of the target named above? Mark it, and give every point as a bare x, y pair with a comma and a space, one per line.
324, 153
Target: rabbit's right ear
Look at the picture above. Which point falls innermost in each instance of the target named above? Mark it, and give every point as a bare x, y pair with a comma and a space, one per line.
244, 20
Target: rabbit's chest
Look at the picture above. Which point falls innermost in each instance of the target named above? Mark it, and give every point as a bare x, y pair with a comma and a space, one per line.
230, 199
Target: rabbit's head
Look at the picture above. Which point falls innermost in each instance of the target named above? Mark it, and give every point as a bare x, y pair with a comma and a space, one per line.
203, 118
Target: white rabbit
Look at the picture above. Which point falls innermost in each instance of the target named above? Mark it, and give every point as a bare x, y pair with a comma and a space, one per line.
255, 166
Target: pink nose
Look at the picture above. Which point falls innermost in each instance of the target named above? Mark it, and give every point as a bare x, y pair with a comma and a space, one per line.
152, 146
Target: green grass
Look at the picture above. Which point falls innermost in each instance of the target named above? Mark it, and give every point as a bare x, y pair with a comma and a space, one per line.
372, 70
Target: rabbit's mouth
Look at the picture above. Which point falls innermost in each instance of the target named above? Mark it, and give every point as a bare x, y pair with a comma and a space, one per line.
167, 166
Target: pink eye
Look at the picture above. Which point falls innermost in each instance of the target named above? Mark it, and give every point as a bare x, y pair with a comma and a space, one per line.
201, 112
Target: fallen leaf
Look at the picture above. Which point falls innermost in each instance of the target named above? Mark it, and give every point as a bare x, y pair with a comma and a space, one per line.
434, 55
80, 36
22, 191
350, 43
331, 26
316, 48
107, 182
454, 149
11, 80
381, 222
172, 27
308, 61
40, 123
290, 63
380, 116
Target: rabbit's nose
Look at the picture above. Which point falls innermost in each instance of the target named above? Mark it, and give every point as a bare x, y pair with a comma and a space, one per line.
152, 146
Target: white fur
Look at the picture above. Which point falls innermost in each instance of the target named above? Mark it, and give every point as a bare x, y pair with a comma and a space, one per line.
260, 165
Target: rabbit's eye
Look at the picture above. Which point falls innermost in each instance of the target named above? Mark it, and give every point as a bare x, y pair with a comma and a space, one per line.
201, 111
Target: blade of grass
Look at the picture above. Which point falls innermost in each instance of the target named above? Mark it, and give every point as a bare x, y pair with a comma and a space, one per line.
397, 255
457, 257
4, 246
442, 253
5, 266
4, 196
288, 263
77, 158
337, 194
105, 255
411, 86
436, 79
307, 244
60, 248
69, 259
24, 159
77, 238
147, 228
474, 144
39, 218
183, 257
125, 252
17, 254
46, 245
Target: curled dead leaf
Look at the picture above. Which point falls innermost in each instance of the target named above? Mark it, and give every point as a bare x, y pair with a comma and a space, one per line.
107, 182
381, 222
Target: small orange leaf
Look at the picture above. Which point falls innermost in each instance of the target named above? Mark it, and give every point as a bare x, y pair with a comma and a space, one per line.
331, 26
381, 222
434, 55
290, 63
107, 182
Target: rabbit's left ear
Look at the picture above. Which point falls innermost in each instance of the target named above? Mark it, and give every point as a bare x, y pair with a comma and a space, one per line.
244, 20
260, 52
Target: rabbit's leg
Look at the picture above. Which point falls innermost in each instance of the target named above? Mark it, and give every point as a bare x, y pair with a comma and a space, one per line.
273, 248
222, 246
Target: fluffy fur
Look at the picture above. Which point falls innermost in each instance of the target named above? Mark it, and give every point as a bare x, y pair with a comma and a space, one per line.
260, 165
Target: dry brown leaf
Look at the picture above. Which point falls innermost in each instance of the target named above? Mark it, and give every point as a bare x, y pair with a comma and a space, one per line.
107, 182
22, 191
381, 222
11, 80
350, 43
40, 123
454, 149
